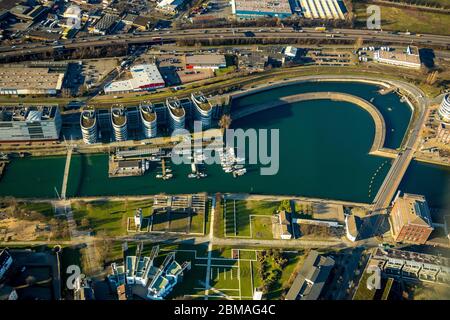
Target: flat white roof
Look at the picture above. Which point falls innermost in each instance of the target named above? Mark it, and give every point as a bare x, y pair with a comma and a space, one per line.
143, 75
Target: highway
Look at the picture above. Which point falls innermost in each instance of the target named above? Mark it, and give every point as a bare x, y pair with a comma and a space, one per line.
168, 36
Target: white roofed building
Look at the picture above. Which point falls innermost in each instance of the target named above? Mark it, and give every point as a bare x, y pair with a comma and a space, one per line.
143, 77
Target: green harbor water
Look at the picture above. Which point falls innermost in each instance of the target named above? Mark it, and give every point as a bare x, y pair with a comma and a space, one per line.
323, 153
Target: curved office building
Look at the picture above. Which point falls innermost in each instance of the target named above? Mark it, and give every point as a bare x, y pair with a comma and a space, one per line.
149, 118
444, 109
119, 124
202, 109
177, 114
88, 124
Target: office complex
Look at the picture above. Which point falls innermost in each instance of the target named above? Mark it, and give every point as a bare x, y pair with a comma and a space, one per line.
410, 265
444, 108
202, 109
119, 124
149, 121
30, 123
410, 219
410, 58
88, 124
177, 114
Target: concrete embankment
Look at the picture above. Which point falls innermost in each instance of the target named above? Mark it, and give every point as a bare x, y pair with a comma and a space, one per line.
380, 126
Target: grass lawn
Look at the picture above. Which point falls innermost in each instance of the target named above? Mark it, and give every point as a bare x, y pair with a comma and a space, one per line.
198, 221
262, 228
400, 19
108, 216
238, 223
362, 293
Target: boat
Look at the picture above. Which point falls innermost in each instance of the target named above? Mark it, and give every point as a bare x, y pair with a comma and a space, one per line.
193, 167
147, 164
159, 176
192, 175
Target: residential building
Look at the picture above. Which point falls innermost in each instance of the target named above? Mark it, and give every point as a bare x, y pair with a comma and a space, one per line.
412, 265
311, 278
444, 108
30, 123
410, 219
410, 58
140, 277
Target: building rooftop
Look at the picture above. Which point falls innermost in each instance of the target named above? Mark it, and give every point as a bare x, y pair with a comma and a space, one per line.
29, 114
401, 255
414, 209
206, 59
30, 78
410, 55
263, 6
312, 277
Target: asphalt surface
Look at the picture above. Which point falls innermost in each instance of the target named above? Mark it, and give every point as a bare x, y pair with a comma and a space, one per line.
168, 36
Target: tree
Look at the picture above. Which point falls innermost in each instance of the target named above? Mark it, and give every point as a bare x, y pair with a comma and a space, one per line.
358, 43
225, 121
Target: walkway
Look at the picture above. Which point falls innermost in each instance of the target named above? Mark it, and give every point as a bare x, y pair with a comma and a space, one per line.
66, 173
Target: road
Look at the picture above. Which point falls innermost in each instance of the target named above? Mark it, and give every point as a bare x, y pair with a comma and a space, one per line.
401, 163
157, 37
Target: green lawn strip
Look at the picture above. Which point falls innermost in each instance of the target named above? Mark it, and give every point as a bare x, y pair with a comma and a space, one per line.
246, 278
179, 222
262, 227
108, 216
362, 293
247, 254
403, 19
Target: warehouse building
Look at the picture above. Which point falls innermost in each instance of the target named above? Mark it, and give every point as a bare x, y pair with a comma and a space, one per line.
259, 8
206, 61
25, 80
144, 77
323, 9
30, 123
